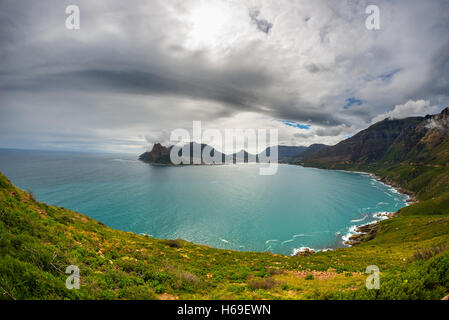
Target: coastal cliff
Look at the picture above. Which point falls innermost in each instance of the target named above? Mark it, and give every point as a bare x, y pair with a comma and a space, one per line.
158, 155
411, 154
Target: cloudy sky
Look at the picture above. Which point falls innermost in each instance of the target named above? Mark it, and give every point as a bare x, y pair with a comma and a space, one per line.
138, 69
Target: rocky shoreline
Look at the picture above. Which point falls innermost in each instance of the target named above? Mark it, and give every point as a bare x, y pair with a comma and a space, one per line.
365, 233
412, 197
368, 231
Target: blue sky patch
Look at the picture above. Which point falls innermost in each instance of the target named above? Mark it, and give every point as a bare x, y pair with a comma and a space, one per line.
353, 101
387, 76
295, 124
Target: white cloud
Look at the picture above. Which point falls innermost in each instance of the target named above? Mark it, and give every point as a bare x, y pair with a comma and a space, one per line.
409, 109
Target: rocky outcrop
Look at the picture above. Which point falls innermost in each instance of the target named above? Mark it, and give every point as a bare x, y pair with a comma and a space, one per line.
305, 252
158, 155
365, 233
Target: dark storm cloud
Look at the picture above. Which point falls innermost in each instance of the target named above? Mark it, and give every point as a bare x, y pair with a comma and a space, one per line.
439, 73
132, 82
332, 131
311, 115
132, 69
314, 68
142, 83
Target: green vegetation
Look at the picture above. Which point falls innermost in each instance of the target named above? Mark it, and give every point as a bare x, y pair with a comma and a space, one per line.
412, 154
38, 241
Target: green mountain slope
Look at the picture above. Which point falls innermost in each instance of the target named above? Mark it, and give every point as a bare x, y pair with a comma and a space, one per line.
411, 153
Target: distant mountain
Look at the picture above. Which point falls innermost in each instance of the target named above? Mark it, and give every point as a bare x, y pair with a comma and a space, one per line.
412, 152
367, 146
244, 156
161, 155
307, 151
284, 152
312, 149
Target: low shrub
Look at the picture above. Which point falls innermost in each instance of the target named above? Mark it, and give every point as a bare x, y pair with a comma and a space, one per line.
309, 277
173, 243
264, 284
427, 253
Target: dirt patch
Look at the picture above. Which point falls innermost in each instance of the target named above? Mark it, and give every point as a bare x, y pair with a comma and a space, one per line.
166, 296
318, 275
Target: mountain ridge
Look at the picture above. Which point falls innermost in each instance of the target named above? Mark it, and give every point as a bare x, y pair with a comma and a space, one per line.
412, 153
160, 155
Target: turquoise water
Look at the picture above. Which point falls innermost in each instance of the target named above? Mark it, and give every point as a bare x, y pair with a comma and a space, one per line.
230, 207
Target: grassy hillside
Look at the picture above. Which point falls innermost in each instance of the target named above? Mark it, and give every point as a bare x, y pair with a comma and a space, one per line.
38, 241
